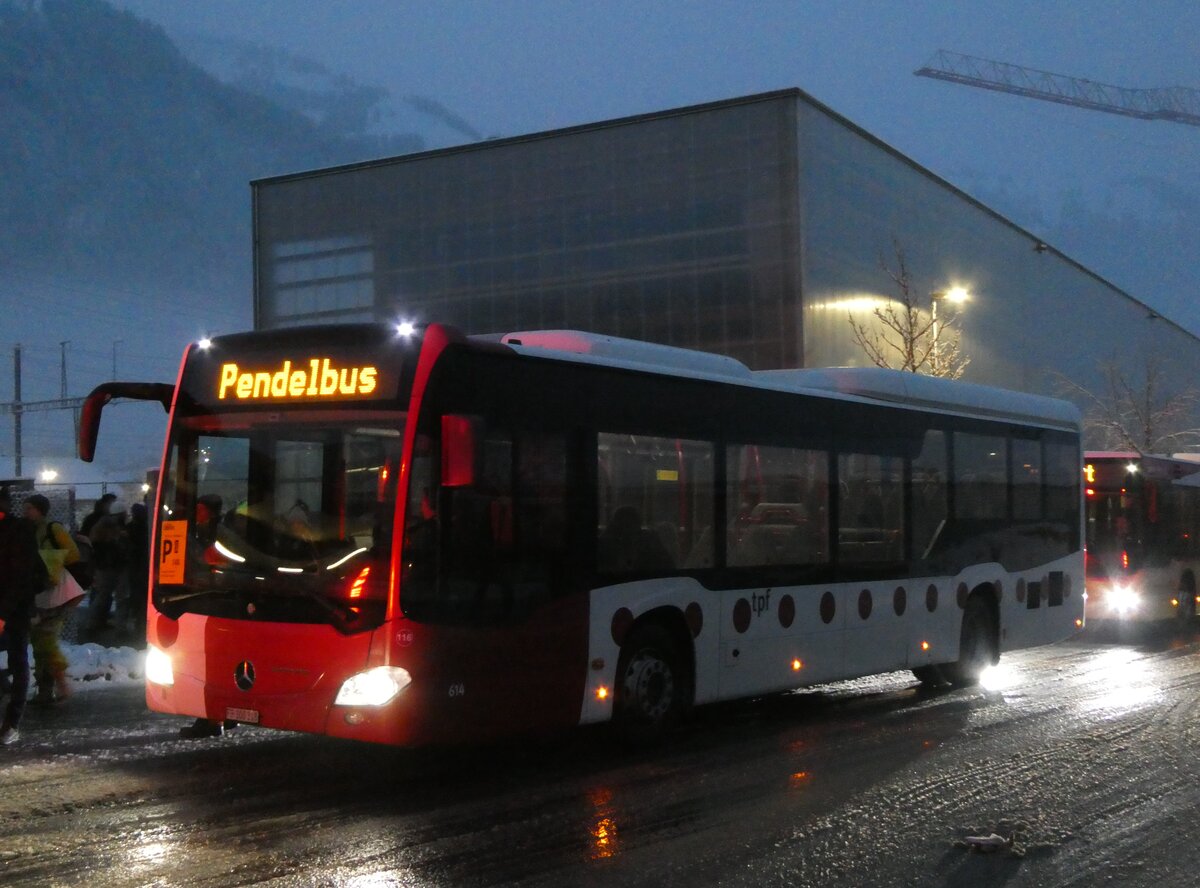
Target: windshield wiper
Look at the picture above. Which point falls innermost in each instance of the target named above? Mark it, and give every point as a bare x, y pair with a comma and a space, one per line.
339, 609
168, 598
342, 612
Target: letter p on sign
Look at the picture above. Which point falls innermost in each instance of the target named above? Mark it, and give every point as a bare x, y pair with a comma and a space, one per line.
173, 548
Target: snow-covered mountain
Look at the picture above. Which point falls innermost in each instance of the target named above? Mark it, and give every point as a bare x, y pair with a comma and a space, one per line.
337, 104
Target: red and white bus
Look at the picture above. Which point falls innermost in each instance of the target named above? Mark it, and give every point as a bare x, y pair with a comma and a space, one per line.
1143, 536
432, 537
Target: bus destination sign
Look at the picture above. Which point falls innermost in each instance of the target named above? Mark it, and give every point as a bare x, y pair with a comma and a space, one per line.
303, 380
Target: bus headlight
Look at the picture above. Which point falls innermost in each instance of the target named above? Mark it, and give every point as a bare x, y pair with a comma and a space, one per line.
375, 687
1123, 599
158, 667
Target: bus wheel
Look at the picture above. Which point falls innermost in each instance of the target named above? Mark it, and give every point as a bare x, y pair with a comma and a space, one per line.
650, 685
977, 649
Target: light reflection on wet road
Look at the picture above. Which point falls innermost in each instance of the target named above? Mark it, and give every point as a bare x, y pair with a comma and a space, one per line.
1092, 745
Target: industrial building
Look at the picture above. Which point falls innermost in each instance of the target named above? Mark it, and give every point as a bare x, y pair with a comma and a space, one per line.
755, 227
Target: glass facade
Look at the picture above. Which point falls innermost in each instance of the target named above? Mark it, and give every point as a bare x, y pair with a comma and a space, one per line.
1033, 318
754, 228
678, 229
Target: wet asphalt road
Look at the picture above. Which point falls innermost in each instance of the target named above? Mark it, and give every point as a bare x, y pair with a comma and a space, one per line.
1088, 754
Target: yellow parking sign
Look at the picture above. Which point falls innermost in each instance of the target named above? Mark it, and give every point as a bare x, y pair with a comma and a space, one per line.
172, 549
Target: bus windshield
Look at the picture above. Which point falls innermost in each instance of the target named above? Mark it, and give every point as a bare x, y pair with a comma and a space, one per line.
1112, 524
287, 519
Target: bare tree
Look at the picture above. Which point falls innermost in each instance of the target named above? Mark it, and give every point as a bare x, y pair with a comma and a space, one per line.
1128, 413
906, 336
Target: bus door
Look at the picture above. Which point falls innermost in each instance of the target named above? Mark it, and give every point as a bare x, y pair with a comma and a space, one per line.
511, 639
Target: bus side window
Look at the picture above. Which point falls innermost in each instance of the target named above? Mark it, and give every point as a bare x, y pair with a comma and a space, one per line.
930, 492
1027, 479
980, 478
870, 508
1062, 481
655, 504
478, 524
778, 506
505, 536
496, 487
541, 506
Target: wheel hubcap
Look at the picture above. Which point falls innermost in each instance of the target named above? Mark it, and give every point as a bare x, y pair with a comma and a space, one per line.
649, 687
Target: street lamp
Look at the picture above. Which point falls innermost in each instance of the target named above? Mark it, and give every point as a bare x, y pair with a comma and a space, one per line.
48, 475
956, 295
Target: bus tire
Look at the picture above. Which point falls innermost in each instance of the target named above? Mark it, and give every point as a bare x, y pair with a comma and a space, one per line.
977, 648
651, 686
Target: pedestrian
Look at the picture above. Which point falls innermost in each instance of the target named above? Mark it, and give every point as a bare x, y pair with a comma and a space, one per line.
22, 575
110, 547
99, 510
58, 550
138, 531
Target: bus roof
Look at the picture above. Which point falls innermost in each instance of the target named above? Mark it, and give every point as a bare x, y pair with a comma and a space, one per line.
863, 384
613, 350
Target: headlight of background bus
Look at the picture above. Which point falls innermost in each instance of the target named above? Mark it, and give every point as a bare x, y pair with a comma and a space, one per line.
1123, 598
375, 687
158, 667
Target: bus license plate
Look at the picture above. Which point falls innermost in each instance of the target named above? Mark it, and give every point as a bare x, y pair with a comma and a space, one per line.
248, 716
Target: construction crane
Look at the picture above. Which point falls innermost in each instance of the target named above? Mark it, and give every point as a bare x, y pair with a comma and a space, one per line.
1177, 104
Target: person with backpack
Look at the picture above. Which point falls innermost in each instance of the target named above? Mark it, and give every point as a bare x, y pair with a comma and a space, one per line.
59, 552
22, 575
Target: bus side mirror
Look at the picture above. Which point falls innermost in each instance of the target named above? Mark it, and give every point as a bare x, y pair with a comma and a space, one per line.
462, 449
94, 403
89, 423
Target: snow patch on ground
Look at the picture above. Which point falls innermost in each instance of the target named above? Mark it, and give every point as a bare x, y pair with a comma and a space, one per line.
95, 667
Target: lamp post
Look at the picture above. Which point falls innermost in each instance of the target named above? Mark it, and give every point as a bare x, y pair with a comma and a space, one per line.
956, 295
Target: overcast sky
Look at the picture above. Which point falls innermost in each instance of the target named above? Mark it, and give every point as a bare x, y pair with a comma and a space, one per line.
527, 65
518, 67
513, 67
